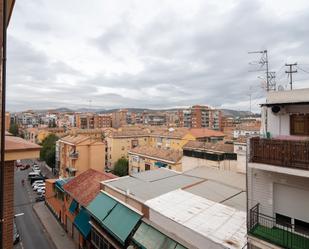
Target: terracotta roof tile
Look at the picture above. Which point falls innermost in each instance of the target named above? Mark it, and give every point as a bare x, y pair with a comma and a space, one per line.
16, 143
204, 132
84, 187
163, 154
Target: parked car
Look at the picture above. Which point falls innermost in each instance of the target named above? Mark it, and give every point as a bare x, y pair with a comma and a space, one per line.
39, 177
24, 167
37, 182
33, 174
40, 198
35, 166
38, 186
41, 191
16, 236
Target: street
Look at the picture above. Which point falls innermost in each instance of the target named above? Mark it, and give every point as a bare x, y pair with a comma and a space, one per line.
32, 233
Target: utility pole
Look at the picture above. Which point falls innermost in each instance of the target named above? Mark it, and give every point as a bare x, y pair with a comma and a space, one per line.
263, 62
290, 72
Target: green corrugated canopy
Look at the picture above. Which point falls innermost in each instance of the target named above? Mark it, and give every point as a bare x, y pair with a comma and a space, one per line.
148, 237
81, 221
160, 164
115, 217
73, 206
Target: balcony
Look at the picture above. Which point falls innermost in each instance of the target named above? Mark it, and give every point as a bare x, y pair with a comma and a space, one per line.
284, 153
266, 228
74, 155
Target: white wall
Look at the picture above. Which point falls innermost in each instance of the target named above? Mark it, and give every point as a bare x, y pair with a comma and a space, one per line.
261, 188
279, 124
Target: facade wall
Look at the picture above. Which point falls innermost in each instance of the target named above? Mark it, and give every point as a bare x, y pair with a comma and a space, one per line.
261, 188
279, 124
119, 147
54, 203
8, 207
189, 163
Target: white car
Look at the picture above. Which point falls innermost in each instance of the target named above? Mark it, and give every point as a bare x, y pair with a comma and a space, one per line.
33, 174
37, 182
36, 187
41, 191
37, 170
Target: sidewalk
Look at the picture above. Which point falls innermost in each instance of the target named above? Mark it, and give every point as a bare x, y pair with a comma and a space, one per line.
58, 236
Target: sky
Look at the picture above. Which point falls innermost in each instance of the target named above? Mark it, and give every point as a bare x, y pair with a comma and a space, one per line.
152, 54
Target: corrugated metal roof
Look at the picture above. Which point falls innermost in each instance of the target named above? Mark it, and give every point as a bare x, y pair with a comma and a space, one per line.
219, 223
154, 175
81, 221
101, 206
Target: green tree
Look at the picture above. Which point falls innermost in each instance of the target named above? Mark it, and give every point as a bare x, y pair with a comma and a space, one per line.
121, 167
14, 129
48, 150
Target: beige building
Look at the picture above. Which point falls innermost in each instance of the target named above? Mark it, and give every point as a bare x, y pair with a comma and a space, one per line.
143, 158
121, 141
119, 118
80, 153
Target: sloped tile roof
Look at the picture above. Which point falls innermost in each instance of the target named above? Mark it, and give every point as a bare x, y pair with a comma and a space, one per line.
204, 132
84, 187
219, 146
163, 154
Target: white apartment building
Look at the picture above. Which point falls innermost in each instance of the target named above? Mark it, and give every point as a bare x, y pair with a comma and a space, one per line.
278, 174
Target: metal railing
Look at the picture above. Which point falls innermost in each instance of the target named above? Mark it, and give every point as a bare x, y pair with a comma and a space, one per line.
285, 153
279, 233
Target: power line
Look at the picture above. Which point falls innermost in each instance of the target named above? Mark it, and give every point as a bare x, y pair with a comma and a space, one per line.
302, 69
290, 72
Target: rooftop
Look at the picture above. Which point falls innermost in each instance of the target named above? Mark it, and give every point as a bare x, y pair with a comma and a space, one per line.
77, 139
163, 154
16, 143
149, 184
204, 132
298, 96
216, 147
84, 187
169, 132
224, 225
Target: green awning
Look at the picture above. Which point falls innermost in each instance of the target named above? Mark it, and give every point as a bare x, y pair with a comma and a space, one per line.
73, 206
121, 221
114, 217
148, 237
160, 164
101, 206
81, 221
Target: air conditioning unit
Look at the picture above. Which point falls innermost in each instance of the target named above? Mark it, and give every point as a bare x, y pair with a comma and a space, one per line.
278, 110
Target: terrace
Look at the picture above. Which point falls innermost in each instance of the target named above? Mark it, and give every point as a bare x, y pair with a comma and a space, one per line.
276, 232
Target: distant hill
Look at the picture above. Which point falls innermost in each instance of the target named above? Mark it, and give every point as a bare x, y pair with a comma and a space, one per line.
225, 112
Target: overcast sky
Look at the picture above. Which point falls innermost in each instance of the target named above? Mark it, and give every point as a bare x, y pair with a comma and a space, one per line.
151, 53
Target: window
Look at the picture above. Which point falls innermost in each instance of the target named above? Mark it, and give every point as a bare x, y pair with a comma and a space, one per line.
283, 220
134, 143
299, 125
147, 166
301, 226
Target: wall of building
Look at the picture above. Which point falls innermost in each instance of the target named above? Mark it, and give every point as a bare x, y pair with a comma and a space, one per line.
119, 147
261, 188
55, 204
279, 124
189, 163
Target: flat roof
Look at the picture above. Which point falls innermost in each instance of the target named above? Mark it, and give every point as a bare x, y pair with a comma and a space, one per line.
214, 221
219, 192
230, 178
153, 183
297, 96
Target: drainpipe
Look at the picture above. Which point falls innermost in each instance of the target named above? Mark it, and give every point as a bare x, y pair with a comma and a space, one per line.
3, 118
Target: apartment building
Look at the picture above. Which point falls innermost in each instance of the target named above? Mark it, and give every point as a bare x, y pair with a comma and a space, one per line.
155, 119
120, 141
143, 158
214, 155
80, 153
199, 116
119, 118
278, 173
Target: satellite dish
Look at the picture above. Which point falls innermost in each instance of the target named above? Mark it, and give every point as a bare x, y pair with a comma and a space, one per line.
280, 88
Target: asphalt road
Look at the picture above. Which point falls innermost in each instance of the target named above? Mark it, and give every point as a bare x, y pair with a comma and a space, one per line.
33, 235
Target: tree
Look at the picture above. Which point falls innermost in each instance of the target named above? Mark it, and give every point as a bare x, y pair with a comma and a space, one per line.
48, 150
121, 167
14, 129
